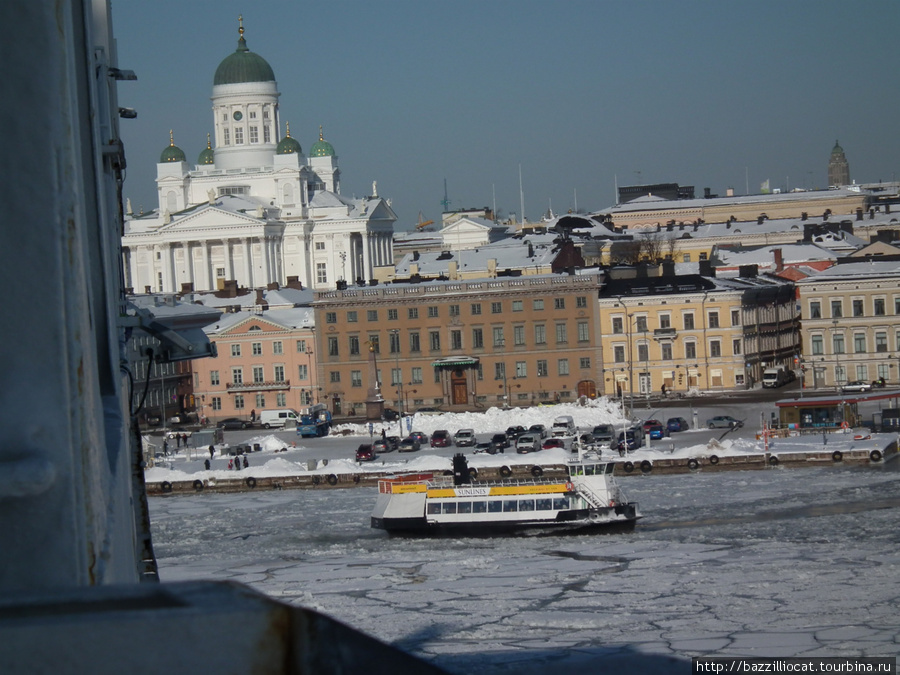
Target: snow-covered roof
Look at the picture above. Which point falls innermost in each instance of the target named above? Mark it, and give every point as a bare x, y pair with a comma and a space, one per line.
791, 254
509, 253
287, 319
871, 267
652, 202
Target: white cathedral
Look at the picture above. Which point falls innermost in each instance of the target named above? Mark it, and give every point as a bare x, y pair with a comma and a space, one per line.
254, 209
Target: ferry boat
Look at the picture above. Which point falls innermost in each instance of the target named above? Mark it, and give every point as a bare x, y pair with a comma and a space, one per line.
589, 497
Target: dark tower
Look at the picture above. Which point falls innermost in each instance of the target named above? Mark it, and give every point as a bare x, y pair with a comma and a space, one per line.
838, 168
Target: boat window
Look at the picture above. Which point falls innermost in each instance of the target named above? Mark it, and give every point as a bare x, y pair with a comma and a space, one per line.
495, 506
433, 509
465, 507
544, 504
526, 505
560, 503
510, 505
610, 467
479, 507
576, 470
589, 470
450, 507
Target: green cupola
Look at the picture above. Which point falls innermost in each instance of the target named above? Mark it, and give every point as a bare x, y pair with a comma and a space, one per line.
207, 156
321, 148
243, 65
172, 153
288, 145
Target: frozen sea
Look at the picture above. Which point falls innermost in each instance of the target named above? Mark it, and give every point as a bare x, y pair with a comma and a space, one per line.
775, 562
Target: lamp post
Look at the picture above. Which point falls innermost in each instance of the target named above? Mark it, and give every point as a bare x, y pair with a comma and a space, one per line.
395, 334
502, 343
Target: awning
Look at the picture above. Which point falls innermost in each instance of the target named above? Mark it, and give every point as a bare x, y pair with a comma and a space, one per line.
451, 362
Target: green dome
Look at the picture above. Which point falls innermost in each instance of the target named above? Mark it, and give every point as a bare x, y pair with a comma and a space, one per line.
243, 66
288, 145
207, 156
321, 148
837, 149
172, 153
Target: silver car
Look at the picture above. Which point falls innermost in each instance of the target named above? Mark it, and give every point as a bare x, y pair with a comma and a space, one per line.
528, 443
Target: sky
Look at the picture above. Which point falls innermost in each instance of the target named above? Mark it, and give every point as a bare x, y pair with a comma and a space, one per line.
578, 95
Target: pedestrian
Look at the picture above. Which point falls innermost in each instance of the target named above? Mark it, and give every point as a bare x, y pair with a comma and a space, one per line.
230, 464
246, 463
165, 447
206, 464
237, 463
212, 451
177, 441
383, 435
184, 439
664, 390
252, 416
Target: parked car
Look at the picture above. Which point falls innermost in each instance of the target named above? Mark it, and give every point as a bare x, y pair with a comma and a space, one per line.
428, 411
555, 442
409, 444
651, 423
500, 441
441, 439
485, 448
365, 453
419, 436
515, 432
857, 385
604, 434
723, 421
538, 429
630, 439
232, 423
390, 415
657, 431
464, 438
392, 443
527, 443
677, 424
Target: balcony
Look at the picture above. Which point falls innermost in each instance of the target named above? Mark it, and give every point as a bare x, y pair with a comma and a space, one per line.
258, 386
664, 332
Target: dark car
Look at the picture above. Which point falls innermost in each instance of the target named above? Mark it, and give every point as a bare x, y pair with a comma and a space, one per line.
232, 423
604, 434
500, 442
390, 415
441, 439
419, 436
365, 453
630, 439
392, 443
677, 424
409, 444
723, 422
651, 423
513, 433
485, 448
538, 430
657, 431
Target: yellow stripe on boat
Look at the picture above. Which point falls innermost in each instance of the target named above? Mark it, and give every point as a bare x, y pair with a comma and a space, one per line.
436, 493
402, 488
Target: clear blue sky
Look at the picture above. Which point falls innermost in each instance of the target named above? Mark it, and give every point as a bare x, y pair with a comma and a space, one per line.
579, 93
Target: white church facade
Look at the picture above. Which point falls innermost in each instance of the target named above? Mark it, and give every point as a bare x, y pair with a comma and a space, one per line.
254, 208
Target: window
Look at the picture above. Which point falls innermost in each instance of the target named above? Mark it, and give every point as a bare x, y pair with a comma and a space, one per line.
735, 346
281, 399
278, 347
862, 372
256, 348
412, 313
815, 309
542, 368
896, 305
258, 374
454, 310
239, 402
334, 376
538, 305
372, 315
496, 308
416, 375
214, 377
477, 338
456, 339
838, 343
817, 344
267, 138
859, 343
237, 375
393, 315
619, 353
498, 336
333, 346
690, 350
433, 312
559, 303
414, 345
355, 378
540, 334
434, 340
641, 324
665, 321
881, 342
715, 348
301, 345
260, 400
254, 134
499, 371
235, 350
562, 366
703, 256
689, 322
394, 342
517, 306
666, 348
858, 308
879, 306
686, 257
562, 333
618, 326
584, 362
584, 332
837, 309
226, 135
476, 308
216, 402
581, 301
279, 373
521, 369
519, 335
330, 317
321, 273
735, 317
303, 371
643, 352
352, 316
713, 321
239, 136
353, 341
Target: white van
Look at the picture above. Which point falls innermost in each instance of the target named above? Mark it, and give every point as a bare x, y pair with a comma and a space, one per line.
270, 419
774, 377
563, 425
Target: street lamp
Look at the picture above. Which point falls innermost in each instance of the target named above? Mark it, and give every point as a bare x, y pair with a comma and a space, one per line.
502, 343
395, 334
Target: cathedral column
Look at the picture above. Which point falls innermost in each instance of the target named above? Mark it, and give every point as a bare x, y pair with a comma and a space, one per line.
279, 261
207, 268
367, 257
189, 261
248, 266
226, 248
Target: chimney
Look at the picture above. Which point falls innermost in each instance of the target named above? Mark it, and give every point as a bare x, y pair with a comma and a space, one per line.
492, 267
261, 299
415, 255
668, 268
729, 192
414, 267
706, 268
779, 260
452, 270
748, 271
147, 290
706, 192
804, 215
295, 283
859, 214
887, 208
187, 287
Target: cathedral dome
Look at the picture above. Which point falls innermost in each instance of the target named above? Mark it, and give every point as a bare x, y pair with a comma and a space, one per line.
288, 145
837, 149
208, 156
172, 153
321, 148
243, 66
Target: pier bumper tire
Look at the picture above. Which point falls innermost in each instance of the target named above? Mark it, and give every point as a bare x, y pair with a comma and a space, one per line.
628, 467
198, 485
356, 478
714, 459
646, 466
837, 455
332, 479
473, 472
505, 471
316, 480
875, 455
165, 486
251, 482
537, 471
773, 460
693, 464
